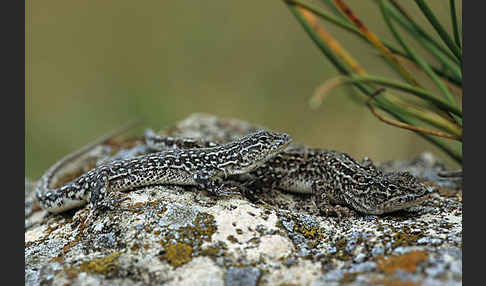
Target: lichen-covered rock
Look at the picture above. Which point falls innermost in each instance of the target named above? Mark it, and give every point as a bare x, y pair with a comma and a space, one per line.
180, 236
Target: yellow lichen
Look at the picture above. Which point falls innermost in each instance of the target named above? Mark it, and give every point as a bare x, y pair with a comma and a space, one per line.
313, 232
404, 239
178, 254
210, 251
106, 265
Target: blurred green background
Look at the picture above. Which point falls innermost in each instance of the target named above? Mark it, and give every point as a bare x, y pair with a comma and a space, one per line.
95, 65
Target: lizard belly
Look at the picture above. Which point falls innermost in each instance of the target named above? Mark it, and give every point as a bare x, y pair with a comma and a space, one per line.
165, 177
295, 185
64, 205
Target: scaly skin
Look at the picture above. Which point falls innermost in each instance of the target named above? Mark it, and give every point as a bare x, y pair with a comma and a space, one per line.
205, 168
331, 177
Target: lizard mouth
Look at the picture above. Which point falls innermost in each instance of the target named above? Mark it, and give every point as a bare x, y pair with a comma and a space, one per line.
285, 142
401, 203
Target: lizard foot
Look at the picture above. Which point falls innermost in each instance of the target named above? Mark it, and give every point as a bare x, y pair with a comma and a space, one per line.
250, 191
216, 185
324, 207
337, 210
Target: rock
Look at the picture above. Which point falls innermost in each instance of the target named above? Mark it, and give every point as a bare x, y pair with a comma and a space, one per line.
180, 236
246, 276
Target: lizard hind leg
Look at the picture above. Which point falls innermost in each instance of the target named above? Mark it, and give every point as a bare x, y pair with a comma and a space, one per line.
96, 197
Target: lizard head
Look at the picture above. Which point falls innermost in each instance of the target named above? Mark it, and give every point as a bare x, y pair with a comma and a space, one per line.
396, 191
253, 150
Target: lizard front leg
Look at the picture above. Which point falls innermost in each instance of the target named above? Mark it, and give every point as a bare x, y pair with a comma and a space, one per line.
213, 182
322, 197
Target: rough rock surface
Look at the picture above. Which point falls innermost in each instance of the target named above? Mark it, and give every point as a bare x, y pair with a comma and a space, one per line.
174, 236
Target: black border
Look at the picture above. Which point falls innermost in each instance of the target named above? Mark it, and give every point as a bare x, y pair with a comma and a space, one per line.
13, 121
474, 201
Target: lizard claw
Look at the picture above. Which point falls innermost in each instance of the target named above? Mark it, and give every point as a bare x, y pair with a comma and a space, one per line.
338, 211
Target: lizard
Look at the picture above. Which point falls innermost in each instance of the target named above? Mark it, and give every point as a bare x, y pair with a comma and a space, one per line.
204, 168
334, 179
